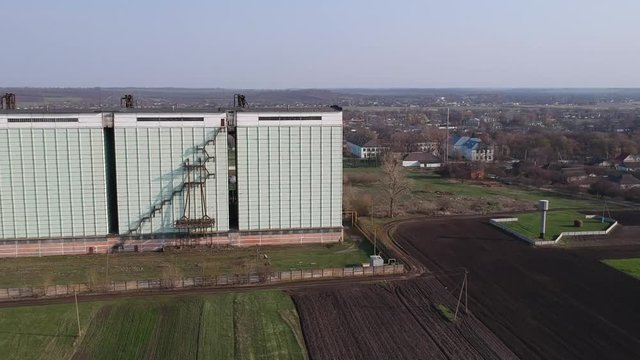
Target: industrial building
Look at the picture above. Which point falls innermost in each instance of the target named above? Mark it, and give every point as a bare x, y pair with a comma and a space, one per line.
140, 179
171, 166
289, 168
52, 176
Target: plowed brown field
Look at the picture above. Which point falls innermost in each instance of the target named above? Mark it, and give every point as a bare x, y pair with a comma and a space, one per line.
527, 302
544, 303
392, 321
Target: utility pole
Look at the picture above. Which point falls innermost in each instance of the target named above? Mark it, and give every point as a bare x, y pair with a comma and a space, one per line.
375, 241
371, 215
75, 294
446, 140
257, 259
107, 272
373, 230
464, 289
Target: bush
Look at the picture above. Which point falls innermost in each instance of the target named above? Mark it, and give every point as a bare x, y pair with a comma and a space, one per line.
444, 203
455, 171
605, 188
420, 208
362, 179
632, 194
362, 205
445, 312
577, 223
571, 188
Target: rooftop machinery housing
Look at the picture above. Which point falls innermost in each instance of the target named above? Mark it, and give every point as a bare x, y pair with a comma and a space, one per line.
82, 182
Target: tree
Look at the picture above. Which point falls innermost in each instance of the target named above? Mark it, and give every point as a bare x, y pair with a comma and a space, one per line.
401, 142
605, 188
438, 136
455, 171
394, 181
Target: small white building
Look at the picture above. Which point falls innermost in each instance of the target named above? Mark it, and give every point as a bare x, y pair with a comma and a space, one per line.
422, 160
376, 260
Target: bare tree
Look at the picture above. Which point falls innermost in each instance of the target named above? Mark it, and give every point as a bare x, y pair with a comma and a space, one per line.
405, 142
438, 136
394, 181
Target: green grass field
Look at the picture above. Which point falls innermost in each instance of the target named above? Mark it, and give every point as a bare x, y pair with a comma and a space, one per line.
425, 185
528, 224
257, 325
434, 183
630, 266
51, 270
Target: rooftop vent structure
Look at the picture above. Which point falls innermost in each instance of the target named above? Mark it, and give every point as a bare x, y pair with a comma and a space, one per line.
127, 101
8, 101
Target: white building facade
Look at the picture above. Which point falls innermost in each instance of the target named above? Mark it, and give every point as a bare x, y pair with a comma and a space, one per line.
289, 170
367, 150
472, 149
52, 176
156, 154
73, 183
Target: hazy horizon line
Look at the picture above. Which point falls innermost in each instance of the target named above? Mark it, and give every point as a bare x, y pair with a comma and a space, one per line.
338, 88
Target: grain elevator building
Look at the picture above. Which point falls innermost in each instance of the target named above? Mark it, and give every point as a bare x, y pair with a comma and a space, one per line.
82, 182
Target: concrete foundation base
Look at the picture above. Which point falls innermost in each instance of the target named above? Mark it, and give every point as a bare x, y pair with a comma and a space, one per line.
51, 247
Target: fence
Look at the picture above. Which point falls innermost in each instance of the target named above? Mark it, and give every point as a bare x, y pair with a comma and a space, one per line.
498, 223
193, 282
369, 234
78, 246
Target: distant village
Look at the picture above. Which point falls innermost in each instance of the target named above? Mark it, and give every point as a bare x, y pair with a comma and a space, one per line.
595, 151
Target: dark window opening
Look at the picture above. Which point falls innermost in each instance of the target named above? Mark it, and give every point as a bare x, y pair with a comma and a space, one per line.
285, 118
42, 120
170, 119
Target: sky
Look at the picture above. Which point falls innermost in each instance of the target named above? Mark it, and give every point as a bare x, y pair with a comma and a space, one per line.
276, 44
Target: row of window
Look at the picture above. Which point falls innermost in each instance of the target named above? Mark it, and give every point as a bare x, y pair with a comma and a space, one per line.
170, 119
288, 118
43, 120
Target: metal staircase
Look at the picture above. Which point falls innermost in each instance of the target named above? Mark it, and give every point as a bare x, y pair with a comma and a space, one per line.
198, 166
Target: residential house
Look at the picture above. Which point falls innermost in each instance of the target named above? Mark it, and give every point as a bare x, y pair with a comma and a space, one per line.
628, 181
365, 148
472, 149
604, 164
585, 183
422, 159
627, 162
573, 174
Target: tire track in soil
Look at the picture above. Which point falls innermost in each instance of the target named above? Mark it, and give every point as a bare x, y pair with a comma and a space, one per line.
391, 321
544, 303
359, 323
479, 340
